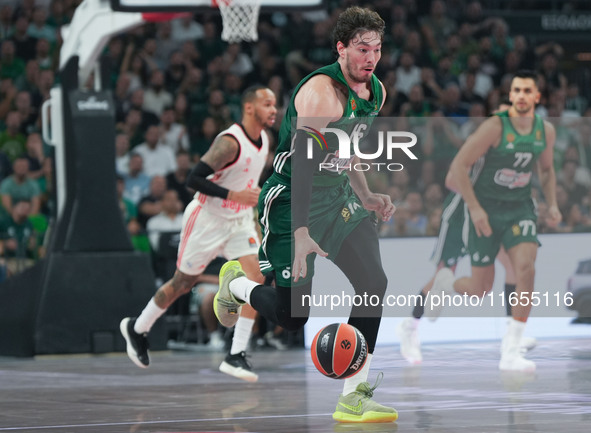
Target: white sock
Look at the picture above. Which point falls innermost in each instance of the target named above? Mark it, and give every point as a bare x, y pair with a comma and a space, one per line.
151, 313
352, 382
241, 287
242, 331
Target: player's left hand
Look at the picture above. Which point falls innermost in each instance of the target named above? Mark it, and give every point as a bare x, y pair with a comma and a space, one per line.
381, 204
554, 216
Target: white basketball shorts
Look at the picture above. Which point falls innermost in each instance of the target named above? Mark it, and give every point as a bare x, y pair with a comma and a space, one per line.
205, 236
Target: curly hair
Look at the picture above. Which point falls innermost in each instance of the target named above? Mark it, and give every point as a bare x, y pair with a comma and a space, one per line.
355, 20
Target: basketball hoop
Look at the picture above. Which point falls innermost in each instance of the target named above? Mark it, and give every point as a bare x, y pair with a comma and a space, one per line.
240, 19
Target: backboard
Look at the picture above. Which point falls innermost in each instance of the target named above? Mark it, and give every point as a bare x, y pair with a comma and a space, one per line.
204, 5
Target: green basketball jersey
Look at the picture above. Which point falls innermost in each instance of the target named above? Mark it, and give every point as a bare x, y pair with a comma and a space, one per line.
355, 110
505, 172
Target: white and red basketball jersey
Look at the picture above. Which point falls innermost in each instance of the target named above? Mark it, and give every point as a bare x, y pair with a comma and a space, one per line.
241, 174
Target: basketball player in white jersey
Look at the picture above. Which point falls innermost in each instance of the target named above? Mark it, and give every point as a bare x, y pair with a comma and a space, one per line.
218, 221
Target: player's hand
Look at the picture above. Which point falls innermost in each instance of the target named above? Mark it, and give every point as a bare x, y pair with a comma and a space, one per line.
381, 204
480, 220
554, 216
247, 197
304, 245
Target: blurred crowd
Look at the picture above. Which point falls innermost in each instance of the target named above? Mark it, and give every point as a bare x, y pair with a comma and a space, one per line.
176, 85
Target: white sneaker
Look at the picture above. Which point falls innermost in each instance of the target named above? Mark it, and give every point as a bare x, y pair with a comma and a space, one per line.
528, 343
410, 345
516, 363
443, 282
511, 357
216, 341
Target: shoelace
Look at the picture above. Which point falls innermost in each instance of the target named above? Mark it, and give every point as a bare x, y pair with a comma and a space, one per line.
365, 389
245, 357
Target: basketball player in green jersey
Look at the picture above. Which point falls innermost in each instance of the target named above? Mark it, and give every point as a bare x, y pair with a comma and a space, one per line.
502, 154
330, 212
448, 251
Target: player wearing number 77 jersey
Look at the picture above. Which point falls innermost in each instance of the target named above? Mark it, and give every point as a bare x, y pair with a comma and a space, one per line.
501, 155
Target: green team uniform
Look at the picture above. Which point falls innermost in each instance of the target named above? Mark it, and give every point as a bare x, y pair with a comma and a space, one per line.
335, 210
450, 248
503, 188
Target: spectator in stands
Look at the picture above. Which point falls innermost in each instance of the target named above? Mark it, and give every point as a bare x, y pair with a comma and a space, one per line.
137, 183
156, 97
169, 219
576, 190
12, 141
432, 197
18, 239
159, 159
134, 67
574, 100
186, 29
28, 113
35, 155
39, 28
172, 134
8, 94
20, 187
436, 27
136, 102
11, 66
407, 74
483, 83
165, 44
28, 81
45, 182
177, 179
24, 43
43, 54
151, 204
175, 72
416, 222
138, 236
132, 127
122, 154
6, 26
45, 81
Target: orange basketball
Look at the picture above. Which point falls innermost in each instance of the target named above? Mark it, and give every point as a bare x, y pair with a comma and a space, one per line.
339, 350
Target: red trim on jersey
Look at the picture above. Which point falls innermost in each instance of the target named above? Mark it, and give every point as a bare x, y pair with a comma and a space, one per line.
186, 233
250, 139
239, 151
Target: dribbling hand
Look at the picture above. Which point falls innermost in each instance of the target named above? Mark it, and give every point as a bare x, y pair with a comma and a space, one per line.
304, 245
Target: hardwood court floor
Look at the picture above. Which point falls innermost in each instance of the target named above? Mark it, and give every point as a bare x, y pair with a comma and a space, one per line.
458, 389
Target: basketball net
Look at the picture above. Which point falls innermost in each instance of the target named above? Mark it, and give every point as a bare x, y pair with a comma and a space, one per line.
240, 19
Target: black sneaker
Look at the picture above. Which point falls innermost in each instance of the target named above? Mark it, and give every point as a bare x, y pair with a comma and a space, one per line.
238, 366
137, 344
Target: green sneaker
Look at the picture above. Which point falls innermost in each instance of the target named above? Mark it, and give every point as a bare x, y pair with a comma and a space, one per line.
225, 306
359, 407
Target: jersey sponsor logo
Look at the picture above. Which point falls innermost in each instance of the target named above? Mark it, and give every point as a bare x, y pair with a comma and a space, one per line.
333, 163
516, 230
512, 179
485, 259
538, 135
353, 104
510, 137
252, 242
232, 205
510, 146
